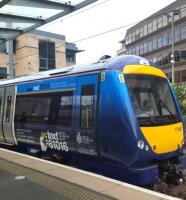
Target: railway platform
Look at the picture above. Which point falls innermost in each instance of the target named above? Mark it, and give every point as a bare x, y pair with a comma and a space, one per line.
26, 177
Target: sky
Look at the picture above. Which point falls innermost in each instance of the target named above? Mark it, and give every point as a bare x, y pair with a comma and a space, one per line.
103, 16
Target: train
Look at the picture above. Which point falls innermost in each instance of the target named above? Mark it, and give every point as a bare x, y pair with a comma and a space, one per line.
118, 117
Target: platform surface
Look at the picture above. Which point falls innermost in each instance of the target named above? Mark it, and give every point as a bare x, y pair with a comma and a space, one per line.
24, 177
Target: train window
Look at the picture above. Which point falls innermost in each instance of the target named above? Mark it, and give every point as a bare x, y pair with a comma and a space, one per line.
87, 106
61, 109
32, 108
65, 109
8, 109
51, 108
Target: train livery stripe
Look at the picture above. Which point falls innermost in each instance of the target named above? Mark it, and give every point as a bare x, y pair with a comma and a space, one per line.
164, 139
58, 84
143, 69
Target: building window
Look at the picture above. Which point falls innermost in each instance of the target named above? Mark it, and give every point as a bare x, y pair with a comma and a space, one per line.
126, 39
71, 58
150, 47
183, 32
133, 37
149, 27
183, 11
154, 43
177, 55
160, 22
145, 30
154, 25
160, 42
3, 72
165, 40
46, 55
183, 54
141, 32
141, 49
159, 60
165, 20
177, 17
169, 38
3, 47
137, 50
133, 51
137, 34
165, 59
145, 47
129, 38
155, 60
177, 35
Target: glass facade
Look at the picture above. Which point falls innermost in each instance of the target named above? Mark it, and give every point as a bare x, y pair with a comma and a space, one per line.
153, 40
160, 41
153, 25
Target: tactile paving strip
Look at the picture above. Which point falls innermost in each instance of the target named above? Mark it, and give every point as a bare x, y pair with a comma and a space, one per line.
64, 187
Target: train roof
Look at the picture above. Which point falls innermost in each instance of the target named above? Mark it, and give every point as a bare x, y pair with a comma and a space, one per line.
116, 63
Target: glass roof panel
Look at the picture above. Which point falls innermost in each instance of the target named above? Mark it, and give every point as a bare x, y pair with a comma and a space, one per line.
42, 13
21, 16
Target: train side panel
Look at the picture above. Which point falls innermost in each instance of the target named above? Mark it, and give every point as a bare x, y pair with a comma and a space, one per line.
58, 115
116, 132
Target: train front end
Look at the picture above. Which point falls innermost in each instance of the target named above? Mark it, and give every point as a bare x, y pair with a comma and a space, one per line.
159, 119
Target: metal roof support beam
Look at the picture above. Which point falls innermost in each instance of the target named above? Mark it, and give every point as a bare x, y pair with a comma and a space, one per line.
41, 4
10, 33
4, 2
18, 19
6, 30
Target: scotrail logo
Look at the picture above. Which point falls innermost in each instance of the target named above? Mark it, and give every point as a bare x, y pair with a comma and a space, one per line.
52, 141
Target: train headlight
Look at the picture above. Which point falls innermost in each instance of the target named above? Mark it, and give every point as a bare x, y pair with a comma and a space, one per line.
146, 147
141, 144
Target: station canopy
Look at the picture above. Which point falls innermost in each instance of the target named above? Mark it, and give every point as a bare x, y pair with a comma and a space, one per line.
21, 16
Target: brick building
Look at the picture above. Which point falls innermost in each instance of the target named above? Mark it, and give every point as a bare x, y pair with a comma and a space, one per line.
38, 51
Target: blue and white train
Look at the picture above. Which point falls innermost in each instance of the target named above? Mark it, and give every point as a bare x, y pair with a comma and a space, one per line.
119, 118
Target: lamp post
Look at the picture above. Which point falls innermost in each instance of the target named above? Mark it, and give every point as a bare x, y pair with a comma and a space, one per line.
174, 13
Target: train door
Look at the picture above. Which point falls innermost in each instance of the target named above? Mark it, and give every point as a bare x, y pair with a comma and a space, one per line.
2, 93
85, 125
8, 115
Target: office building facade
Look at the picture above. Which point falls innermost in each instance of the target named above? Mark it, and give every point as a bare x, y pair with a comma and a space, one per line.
152, 38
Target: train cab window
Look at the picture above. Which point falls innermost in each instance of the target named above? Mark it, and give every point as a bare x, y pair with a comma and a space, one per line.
87, 106
8, 109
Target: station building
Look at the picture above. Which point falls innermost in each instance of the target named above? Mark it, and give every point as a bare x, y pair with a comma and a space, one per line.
38, 51
152, 38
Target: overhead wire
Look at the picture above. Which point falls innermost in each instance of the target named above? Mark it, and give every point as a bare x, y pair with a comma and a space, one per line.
76, 13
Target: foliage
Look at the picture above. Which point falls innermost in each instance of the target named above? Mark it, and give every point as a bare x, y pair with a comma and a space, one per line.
180, 91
